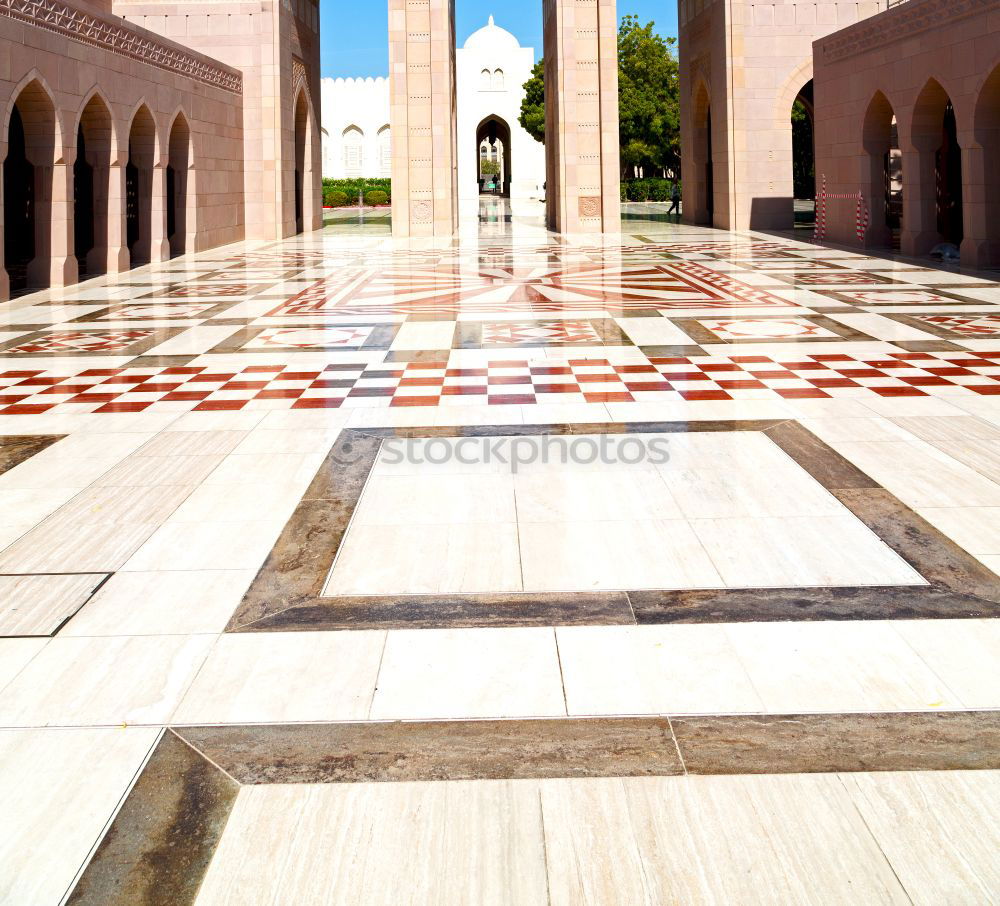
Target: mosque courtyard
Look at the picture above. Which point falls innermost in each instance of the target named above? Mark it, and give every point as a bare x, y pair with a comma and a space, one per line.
511, 568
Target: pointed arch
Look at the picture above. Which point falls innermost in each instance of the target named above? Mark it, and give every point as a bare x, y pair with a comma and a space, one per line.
881, 174
986, 209
933, 188
181, 197
384, 138
702, 207
96, 100
353, 144
95, 151
34, 88
143, 155
307, 184
34, 150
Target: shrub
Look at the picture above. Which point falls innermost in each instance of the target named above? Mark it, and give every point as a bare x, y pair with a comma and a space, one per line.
351, 187
334, 198
659, 190
375, 198
647, 190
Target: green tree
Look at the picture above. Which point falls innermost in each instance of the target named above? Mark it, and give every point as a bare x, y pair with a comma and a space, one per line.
803, 162
648, 99
532, 116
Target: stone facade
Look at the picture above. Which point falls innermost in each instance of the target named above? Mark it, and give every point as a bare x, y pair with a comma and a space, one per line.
581, 116
743, 63
492, 68
582, 158
490, 71
68, 70
885, 86
423, 117
275, 45
357, 138
156, 124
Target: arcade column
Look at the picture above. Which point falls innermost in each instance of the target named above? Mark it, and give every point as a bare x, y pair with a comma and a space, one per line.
422, 117
581, 116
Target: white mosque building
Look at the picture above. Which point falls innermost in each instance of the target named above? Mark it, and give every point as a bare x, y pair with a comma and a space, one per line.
491, 70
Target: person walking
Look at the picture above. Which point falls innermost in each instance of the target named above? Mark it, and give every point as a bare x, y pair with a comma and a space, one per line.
675, 202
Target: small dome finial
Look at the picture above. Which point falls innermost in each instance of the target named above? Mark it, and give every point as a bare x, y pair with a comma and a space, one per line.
491, 22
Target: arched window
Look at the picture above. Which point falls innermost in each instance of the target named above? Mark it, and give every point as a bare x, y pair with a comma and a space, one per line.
498, 80
354, 152
485, 80
385, 151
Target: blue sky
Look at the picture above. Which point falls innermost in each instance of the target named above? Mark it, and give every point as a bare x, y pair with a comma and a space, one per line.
354, 31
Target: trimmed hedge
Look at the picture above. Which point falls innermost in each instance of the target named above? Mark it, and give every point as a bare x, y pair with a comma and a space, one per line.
334, 198
647, 190
376, 198
351, 188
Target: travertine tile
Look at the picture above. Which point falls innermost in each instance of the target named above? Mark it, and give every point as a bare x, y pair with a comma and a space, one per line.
38, 605
162, 603
829, 666
103, 681
478, 841
938, 830
296, 676
463, 673
652, 670
60, 788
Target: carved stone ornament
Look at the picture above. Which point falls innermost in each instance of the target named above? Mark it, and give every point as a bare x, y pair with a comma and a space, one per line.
590, 205
115, 36
900, 23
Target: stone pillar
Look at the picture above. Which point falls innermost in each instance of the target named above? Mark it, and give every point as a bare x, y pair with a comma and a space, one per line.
422, 117
920, 233
63, 267
979, 247
159, 244
118, 257
581, 116
4, 279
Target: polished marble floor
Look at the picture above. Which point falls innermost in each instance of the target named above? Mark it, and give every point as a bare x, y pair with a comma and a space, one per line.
511, 568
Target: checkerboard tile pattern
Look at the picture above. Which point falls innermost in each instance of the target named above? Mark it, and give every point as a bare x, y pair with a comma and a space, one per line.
501, 382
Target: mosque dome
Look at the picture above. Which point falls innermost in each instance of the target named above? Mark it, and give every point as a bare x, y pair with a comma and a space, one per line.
491, 39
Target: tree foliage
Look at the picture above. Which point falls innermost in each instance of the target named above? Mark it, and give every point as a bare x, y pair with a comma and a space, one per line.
648, 99
532, 116
803, 161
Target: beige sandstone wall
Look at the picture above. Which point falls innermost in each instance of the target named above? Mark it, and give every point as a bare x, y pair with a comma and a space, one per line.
422, 117
581, 116
908, 62
275, 45
752, 58
127, 68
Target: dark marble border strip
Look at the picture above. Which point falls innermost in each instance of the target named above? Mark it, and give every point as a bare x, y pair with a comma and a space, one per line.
440, 750
601, 746
18, 448
159, 845
827, 743
706, 337
454, 611
287, 594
